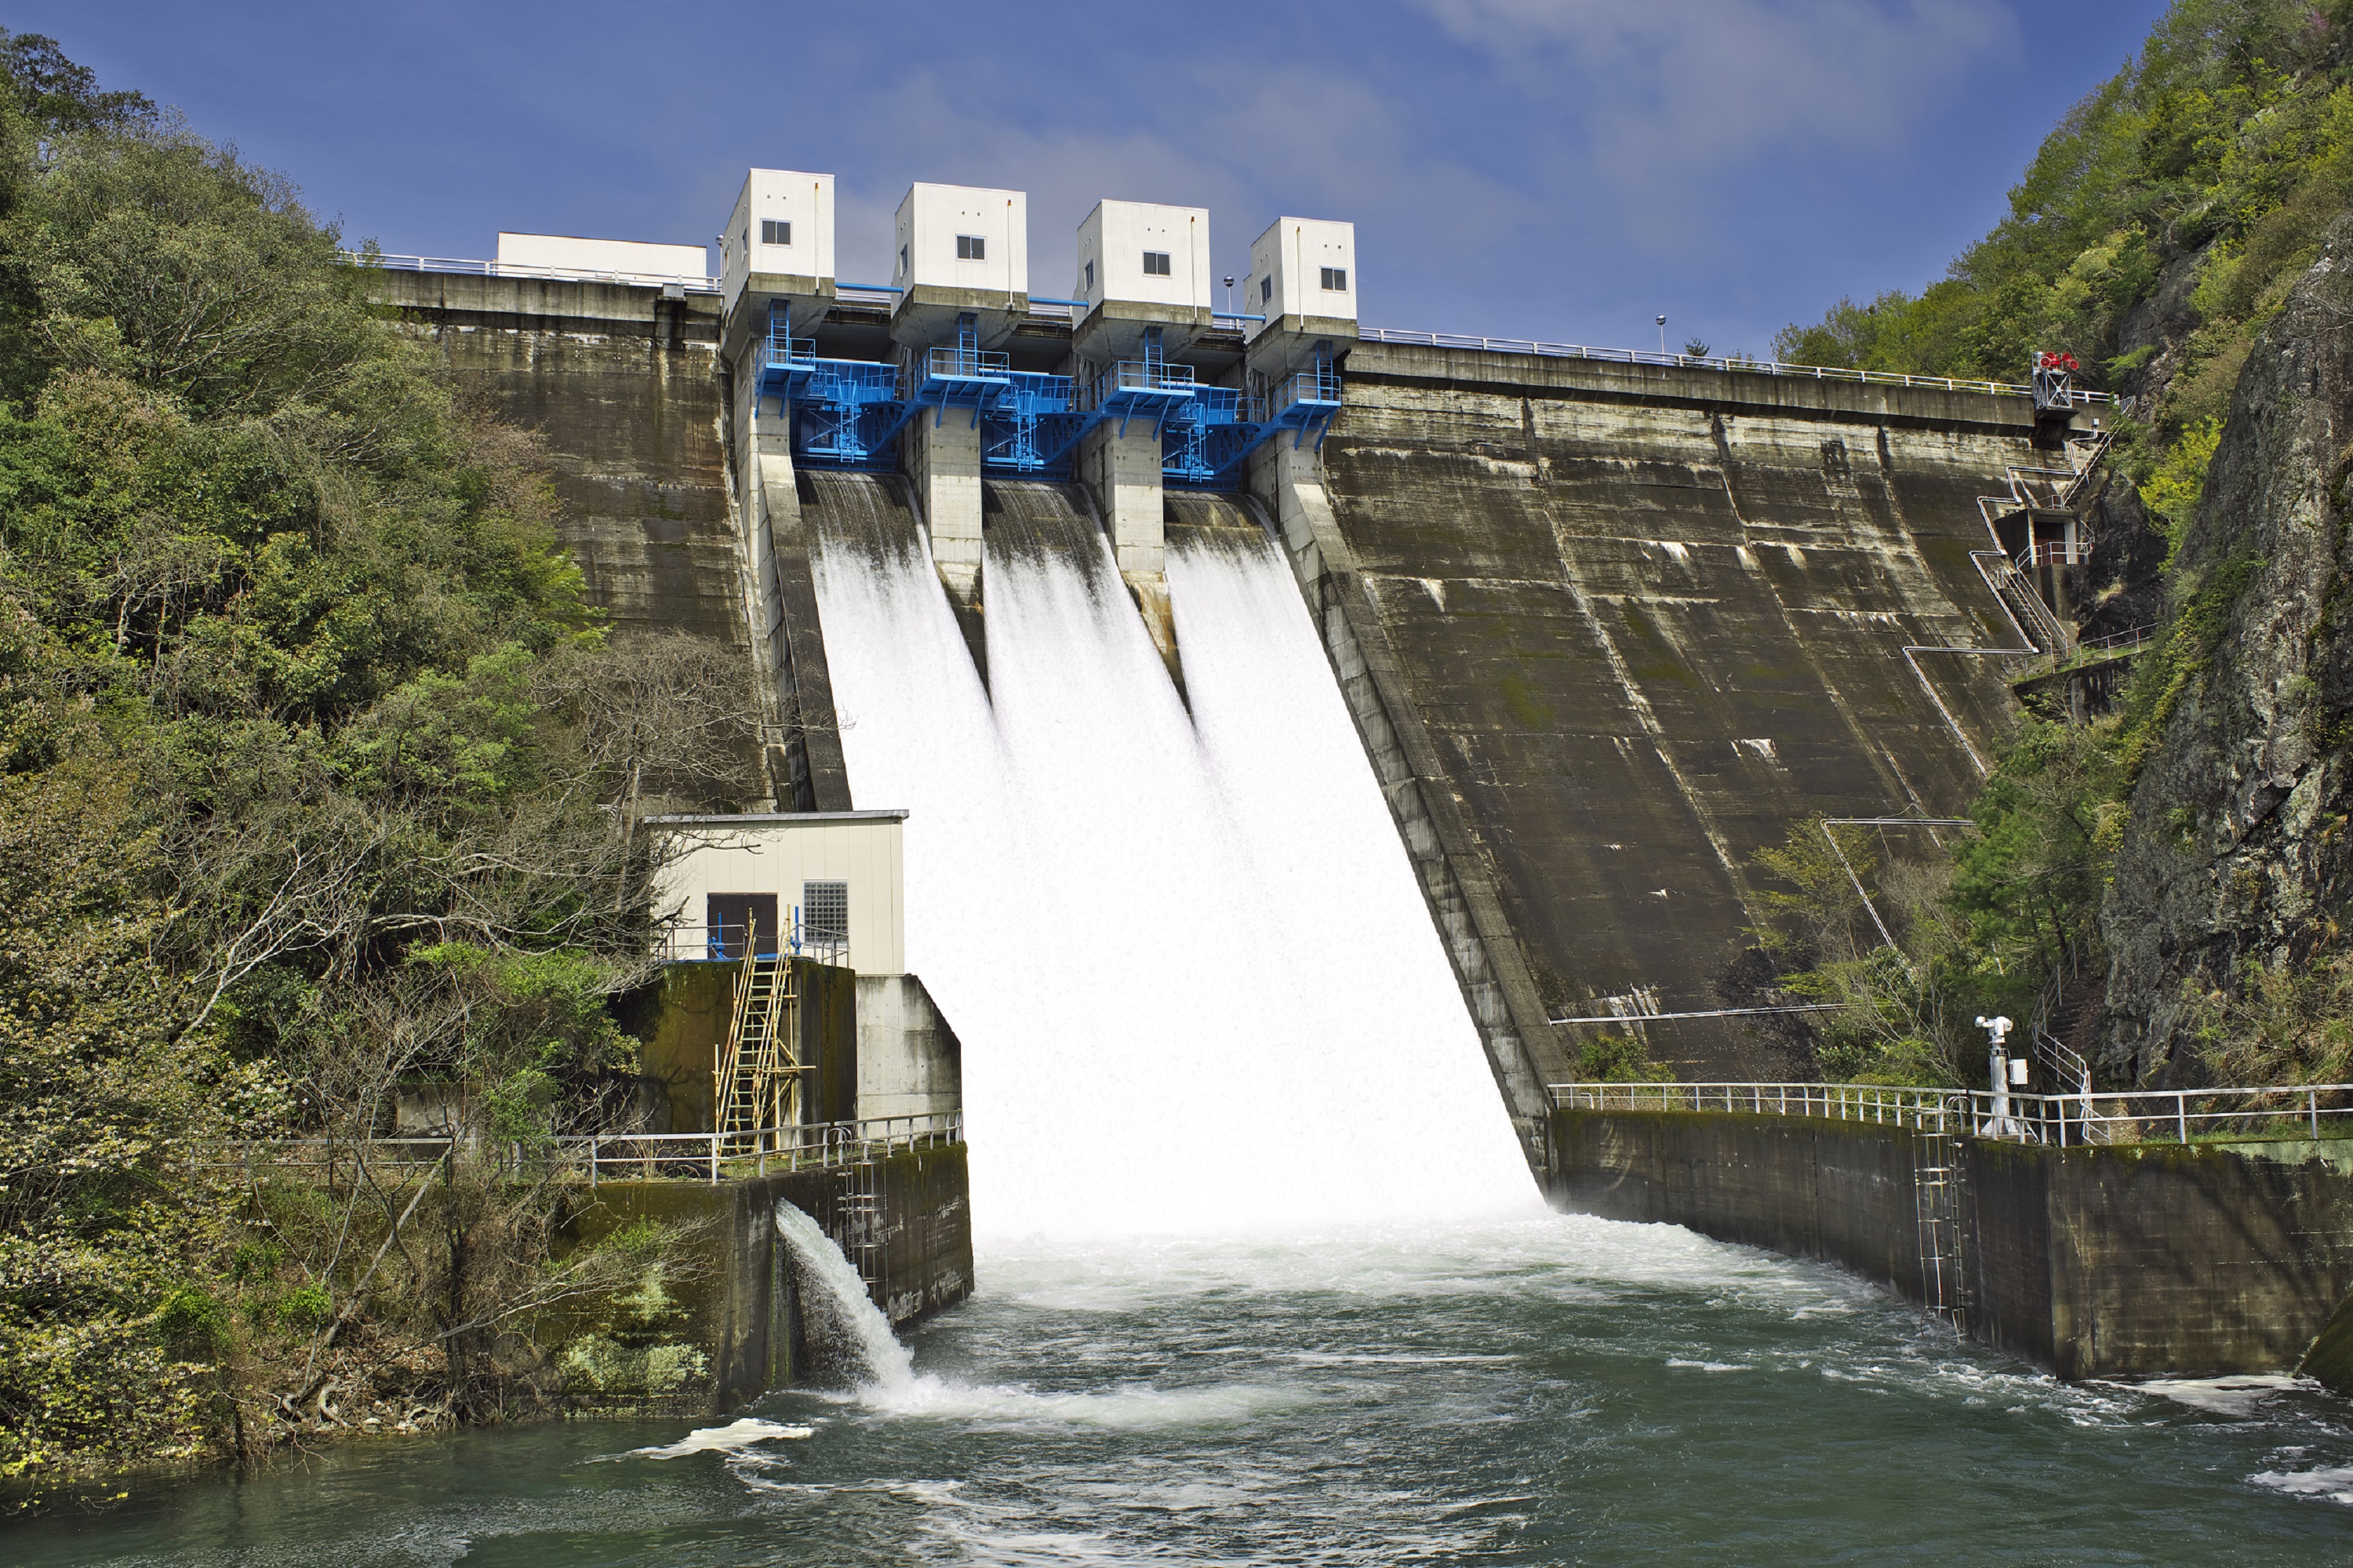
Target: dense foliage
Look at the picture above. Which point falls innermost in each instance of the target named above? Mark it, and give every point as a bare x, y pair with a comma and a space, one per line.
309, 757
2185, 193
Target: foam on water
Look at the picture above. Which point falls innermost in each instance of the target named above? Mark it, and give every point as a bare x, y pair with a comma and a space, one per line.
1196, 985
734, 1437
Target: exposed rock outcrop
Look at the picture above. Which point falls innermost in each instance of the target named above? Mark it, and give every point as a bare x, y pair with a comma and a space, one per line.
2235, 850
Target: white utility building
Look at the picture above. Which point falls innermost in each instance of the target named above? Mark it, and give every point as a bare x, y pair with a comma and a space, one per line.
779, 239
1302, 267
961, 236
631, 260
1145, 253
829, 876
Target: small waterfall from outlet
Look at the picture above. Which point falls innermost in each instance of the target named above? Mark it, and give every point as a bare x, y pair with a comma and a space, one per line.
833, 1292
1196, 986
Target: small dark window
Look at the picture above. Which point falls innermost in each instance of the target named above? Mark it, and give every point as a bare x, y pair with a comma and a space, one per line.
737, 923
1336, 279
1090, 279
902, 260
772, 232
972, 248
825, 912
1156, 264
1265, 289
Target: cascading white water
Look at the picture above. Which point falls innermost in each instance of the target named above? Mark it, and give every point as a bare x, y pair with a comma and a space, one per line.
832, 1288
1195, 982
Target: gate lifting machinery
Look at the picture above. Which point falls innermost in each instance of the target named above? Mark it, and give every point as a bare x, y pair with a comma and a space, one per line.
845, 413
756, 1080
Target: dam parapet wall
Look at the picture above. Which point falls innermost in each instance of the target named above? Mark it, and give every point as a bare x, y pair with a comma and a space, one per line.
2126, 1259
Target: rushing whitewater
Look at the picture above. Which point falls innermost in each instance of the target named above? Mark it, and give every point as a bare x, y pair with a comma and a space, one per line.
1194, 982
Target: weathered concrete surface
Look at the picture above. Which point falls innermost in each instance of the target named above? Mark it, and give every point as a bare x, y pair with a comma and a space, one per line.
1838, 1191
910, 1062
621, 385
787, 645
732, 1326
2094, 1262
1628, 625
680, 1018
1459, 885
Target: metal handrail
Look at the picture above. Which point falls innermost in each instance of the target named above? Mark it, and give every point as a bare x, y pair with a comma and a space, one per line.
684, 943
1711, 362
607, 1156
965, 362
2280, 1112
519, 269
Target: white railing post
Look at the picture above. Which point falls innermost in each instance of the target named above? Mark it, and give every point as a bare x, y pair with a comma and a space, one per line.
2181, 1112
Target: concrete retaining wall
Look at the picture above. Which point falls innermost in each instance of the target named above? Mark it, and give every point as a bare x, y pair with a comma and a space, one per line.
734, 1322
2093, 1262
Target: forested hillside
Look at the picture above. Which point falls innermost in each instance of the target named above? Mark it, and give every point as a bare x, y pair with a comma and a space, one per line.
318, 782
2163, 886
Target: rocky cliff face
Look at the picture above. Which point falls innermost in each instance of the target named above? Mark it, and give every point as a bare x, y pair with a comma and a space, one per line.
2235, 850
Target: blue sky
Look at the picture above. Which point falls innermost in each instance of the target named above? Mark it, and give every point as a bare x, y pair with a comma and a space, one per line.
1559, 169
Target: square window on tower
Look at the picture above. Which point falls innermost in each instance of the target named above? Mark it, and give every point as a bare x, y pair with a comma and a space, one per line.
772, 232
1156, 264
1265, 289
1090, 279
972, 248
1335, 279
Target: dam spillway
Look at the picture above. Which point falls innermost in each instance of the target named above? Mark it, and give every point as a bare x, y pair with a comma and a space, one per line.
1603, 630
1172, 941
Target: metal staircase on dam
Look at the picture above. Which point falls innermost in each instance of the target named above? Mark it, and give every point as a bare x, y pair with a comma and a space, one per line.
2035, 495
756, 1081
846, 414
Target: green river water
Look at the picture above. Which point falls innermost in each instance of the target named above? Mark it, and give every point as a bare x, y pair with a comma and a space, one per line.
1539, 1391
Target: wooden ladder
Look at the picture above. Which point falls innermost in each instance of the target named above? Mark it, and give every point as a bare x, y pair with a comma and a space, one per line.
756, 1081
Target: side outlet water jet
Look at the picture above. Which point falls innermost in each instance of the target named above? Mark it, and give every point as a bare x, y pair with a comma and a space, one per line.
833, 1297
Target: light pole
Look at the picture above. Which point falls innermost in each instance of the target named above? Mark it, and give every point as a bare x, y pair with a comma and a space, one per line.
1229, 293
1662, 335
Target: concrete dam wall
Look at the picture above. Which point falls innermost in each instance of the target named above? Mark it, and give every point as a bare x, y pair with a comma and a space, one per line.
1626, 625
1603, 630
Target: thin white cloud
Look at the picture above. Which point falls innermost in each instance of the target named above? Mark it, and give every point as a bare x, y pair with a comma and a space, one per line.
1662, 89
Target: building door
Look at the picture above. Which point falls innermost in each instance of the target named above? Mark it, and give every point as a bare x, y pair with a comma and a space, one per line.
740, 923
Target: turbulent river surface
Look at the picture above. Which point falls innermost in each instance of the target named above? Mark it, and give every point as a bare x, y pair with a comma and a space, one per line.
1548, 1389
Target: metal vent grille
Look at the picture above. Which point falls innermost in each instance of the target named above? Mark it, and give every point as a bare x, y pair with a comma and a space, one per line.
825, 911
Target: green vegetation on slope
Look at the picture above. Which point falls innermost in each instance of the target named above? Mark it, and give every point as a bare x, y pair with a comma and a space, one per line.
2158, 229
308, 756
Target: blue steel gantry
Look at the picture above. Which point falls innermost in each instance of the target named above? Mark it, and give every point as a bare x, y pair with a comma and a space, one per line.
845, 413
